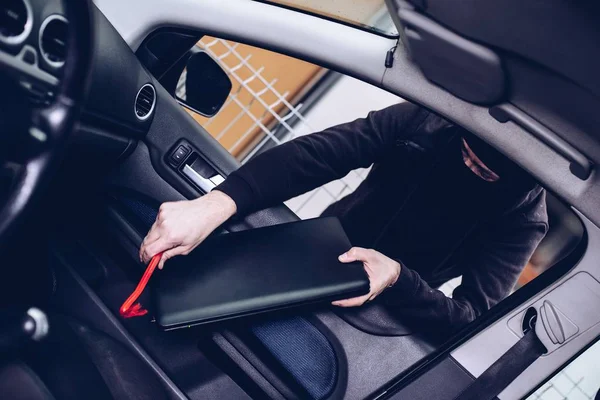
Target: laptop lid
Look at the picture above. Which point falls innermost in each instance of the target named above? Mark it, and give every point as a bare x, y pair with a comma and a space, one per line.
259, 270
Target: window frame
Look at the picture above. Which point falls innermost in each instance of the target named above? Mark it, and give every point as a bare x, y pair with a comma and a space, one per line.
325, 17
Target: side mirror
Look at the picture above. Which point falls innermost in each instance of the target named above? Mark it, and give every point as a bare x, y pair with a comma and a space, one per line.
203, 86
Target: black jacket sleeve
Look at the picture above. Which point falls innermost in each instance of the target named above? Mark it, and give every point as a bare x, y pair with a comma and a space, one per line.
310, 161
501, 251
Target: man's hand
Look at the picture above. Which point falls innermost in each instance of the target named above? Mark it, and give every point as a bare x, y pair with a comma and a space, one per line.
382, 271
181, 226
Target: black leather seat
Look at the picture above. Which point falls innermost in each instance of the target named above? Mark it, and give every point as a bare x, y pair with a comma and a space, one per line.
75, 362
19, 382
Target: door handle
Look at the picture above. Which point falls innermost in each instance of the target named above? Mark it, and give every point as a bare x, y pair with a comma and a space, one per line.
580, 166
205, 184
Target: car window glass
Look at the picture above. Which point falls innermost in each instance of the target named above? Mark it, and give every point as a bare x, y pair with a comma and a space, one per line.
579, 380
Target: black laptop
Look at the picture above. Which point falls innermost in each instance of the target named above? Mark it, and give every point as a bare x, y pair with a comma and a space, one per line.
255, 271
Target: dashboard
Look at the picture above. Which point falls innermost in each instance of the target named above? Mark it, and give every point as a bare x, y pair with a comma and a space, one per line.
128, 119
33, 38
122, 94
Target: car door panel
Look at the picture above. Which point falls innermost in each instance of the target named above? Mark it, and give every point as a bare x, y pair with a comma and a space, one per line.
110, 108
111, 96
146, 176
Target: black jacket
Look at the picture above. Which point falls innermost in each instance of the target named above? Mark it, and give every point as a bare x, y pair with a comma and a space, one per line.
420, 204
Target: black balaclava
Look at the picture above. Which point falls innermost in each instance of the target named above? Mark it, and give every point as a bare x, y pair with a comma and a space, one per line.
509, 172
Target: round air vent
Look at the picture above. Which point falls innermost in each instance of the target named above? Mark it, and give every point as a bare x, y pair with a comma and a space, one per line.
16, 21
53, 40
145, 102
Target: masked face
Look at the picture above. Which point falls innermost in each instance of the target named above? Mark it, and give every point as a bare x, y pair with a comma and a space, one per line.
476, 165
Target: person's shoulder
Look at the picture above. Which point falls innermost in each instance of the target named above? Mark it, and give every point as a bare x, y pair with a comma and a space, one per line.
411, 116
415, 124
531, 207
537, 211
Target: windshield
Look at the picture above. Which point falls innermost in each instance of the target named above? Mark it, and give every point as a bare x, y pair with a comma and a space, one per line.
368, 14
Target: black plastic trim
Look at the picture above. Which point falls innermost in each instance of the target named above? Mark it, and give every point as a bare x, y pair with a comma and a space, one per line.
103, 146
164, 47
239, 367
464, 68
78, 289
580, 166
111, 97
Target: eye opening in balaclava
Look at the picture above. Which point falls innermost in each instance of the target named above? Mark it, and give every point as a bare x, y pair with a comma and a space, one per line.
508, 171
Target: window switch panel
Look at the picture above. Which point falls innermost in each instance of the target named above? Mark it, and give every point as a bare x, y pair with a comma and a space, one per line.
180, 153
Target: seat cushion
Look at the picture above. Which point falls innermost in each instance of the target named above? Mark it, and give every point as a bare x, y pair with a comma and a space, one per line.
75, 362
19, 382
374, 318
303, 351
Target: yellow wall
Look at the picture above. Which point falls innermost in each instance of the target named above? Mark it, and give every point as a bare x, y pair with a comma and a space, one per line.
353, 11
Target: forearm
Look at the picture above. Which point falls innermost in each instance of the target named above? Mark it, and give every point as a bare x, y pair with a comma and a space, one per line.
271, 178
427, 308
310, 161
218, 206
490, 271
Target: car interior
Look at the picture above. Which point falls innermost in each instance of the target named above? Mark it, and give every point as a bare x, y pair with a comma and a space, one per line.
80, 203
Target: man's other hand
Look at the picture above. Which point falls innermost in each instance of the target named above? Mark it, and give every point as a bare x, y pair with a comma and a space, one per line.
181, 226
382, 271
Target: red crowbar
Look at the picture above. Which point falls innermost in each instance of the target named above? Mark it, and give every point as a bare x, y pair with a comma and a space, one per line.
128, 309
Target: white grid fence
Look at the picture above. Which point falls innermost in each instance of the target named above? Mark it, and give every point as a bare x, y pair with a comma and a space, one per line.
580, 380
281, 111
